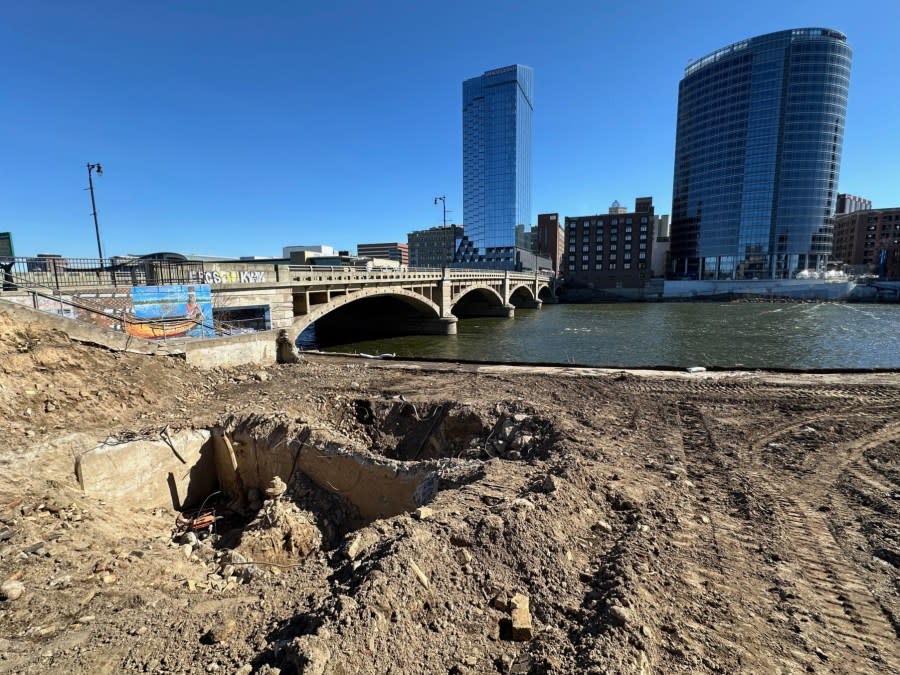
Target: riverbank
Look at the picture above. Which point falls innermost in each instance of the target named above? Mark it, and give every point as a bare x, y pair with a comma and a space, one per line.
584, 520
660, 290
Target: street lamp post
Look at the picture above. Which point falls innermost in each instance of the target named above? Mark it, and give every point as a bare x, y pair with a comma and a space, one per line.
442, 198
99, 169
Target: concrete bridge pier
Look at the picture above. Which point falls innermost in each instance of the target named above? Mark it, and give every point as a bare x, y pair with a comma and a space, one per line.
530, 304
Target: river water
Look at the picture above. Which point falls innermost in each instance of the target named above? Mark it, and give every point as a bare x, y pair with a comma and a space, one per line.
747, 335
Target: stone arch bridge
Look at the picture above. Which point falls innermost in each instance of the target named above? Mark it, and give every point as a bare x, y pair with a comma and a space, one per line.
349, 301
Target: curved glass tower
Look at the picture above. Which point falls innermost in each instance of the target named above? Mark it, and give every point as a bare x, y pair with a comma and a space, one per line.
757, 155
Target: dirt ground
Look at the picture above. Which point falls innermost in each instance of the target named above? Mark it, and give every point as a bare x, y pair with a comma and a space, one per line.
586, 521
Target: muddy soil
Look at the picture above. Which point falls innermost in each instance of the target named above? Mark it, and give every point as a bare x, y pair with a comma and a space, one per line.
586, 521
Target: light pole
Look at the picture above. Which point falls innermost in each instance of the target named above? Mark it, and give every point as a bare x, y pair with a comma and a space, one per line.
442, 198
99, 169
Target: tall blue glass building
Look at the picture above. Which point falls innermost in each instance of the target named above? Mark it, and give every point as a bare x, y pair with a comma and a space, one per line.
497, 110
757, 155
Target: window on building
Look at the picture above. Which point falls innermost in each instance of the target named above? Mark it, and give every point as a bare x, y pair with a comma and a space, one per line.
612, 266
628, 221
643, 222
626, 266
613, 221
643, 246
642, 255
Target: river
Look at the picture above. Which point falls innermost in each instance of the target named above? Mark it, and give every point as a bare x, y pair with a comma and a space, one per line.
631, 335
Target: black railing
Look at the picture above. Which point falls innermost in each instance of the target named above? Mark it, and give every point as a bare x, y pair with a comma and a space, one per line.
57, 272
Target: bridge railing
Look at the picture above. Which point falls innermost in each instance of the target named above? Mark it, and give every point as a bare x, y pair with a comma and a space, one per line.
61, 273
348, 273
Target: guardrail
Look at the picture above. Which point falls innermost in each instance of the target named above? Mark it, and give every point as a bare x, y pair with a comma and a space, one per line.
58, 273
62, 273
345, 272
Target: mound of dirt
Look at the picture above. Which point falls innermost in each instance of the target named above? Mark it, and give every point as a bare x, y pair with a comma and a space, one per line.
568, 520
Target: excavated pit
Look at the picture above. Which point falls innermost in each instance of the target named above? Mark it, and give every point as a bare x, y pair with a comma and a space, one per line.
282, 488
406, 431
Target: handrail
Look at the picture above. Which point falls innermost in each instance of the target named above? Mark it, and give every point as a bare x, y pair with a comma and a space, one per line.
56, 296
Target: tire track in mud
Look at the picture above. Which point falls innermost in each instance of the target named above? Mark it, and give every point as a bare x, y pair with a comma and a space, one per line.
735, 391
848, 620
818, 577
712, 547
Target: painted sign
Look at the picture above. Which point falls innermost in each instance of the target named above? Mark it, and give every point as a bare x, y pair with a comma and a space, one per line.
229, 277
161, 312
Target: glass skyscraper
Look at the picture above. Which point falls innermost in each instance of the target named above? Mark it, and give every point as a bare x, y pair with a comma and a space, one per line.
757, 155
497, 109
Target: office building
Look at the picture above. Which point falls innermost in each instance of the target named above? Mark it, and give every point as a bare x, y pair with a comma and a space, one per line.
497, 110
861, 237
612, 250
850, 203
757, 155
433, 247
550, 239
395, 251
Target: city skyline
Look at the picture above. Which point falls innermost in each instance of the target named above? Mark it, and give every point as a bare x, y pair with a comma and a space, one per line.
226, 133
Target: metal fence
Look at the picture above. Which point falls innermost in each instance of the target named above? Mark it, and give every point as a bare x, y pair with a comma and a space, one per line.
58, 272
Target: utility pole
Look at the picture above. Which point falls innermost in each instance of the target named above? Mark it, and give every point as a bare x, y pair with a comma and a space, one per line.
99, 169
442, 198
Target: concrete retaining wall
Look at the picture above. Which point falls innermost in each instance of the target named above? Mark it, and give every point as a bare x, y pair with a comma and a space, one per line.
784, 288
234, 350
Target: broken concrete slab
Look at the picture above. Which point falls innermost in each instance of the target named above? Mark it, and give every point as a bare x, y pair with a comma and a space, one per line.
151, 472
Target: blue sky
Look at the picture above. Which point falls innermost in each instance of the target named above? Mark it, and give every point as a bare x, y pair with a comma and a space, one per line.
236, 128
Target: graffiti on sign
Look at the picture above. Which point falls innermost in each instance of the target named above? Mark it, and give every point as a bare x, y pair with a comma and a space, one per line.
228, 277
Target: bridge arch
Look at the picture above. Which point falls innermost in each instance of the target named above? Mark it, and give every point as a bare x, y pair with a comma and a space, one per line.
522, 295
374, 312
478, 300
546, 293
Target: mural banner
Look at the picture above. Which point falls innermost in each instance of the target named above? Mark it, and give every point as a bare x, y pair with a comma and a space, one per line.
178, 310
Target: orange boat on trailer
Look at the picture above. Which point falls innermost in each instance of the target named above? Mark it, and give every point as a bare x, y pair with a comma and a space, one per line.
156, 329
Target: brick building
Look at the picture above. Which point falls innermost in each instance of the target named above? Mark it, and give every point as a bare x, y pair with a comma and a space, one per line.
861, 236
612, 250
550, 239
